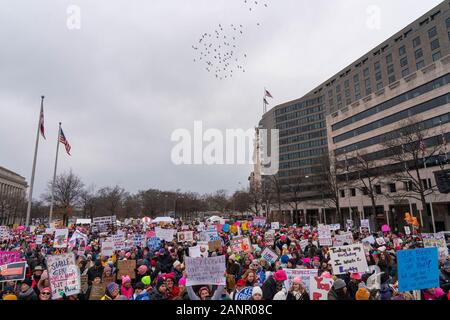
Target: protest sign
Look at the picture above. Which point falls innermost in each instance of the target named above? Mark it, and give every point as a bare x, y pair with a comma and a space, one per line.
9, 257
343, 239
436, 240
275, 225
407, 230
165, 234
269, 255
202, 271
185, 236
77, 236
138, 240
200, 250
154, 243
269, 236
365, 225
244, 294
349, 258
118, 241
39, 239
184, 227
369, 239
418, 269
319, 288
4, 233
349, 224
97, 291
107, 249
126, 268
201, 227
380, 241
104, 224
305, 274
259, 221
84, 283
63, 275
241, 244
324, 235
326, 241
303, 244
60, 240
50, 230
214, 245
13, 271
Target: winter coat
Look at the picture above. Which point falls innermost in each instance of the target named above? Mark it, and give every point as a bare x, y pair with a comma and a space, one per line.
126, 292
30, 294
269, 288
303, 296
444, 280
156, 295
142, 296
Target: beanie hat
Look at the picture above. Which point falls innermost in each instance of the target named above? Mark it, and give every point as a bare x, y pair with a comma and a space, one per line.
182, 282
241, 283
362, 294
326, 274
112, 286
142, 269
297, 280
257, 290
125, 279
282, 238
46, 289
146, 280
355, 276
176, 264
10, 297
280, 275
27, 281
284, 259
139, 285
339, 284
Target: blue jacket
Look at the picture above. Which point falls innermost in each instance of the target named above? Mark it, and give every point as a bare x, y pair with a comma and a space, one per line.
142, 296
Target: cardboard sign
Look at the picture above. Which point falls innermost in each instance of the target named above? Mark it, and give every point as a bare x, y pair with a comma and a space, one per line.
13, 271
126, 268
319, 288
118, 241
241, 244
97, 291
275, 225
63, 274
107, 249
4, 233
244, 294
305, 274
84, 283
165, 234
60, 240
214, 245
269, 255
203, 271
418, 269
350, 258
9, 257
436, 240
365, 225
343, 239
185, 236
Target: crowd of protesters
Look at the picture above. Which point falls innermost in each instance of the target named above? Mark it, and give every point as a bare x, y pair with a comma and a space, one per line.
160, 272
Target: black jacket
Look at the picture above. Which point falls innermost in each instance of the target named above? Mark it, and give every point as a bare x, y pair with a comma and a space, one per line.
304, 296
269, 288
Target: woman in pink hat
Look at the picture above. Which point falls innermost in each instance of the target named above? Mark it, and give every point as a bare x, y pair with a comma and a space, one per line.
297, 291
126, 289
273, 284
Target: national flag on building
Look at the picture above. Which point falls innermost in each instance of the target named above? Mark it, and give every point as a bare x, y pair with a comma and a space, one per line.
267, 94
265, 101
63, 140
41, 122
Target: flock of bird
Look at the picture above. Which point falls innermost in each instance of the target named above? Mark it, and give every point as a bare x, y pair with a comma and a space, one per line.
220, 52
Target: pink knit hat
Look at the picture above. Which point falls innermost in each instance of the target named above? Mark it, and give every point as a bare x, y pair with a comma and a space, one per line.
326, 274
280, 275
297, 280
142, 269
182, 282
125, 279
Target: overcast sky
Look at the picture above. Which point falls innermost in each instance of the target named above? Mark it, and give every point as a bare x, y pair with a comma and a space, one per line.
125, 80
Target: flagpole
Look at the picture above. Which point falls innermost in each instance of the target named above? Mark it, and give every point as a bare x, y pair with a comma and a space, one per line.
54, 175
431, 202
30, 194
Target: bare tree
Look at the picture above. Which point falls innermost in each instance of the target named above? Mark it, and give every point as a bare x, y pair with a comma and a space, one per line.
111, 200
88, 202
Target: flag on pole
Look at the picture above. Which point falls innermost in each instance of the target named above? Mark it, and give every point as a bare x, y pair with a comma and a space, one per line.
41, 122
63, 140
265, 101
267, 94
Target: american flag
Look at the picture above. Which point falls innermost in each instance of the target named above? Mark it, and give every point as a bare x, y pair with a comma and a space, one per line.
267, 94
41, 122
265, 101
63, 140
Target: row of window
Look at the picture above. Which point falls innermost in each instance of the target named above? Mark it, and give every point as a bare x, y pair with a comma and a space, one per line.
303, 137
314, 126
303, 154
427, 124
431, 104
300, 105
301, 121
299, 114
304, 145
414, 93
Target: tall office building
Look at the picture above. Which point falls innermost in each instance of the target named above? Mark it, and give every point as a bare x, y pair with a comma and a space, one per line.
12, 196
418, 52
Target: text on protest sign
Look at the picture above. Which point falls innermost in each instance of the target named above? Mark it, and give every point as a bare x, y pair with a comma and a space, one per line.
104, 223
205, 271
319, 288
154, 243
304, 274
13, 271
259, 222
118, 241
275, 225
9, 257
350, 258
418, 269
126, 268
241, 244
165, 234
107, 248
269, 255
185, 236
343, 239
60, 240
63, 274
436, 240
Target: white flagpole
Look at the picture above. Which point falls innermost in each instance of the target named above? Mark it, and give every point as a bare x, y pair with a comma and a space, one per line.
54, 175
30, 194
431, 194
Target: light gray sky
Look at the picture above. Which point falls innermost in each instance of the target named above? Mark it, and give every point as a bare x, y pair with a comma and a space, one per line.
126, 80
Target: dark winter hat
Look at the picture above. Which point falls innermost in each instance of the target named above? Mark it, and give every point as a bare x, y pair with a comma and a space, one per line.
339, 284
139, 285
27, 281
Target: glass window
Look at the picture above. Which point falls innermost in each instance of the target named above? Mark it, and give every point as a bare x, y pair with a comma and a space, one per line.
356, 78
377, 65
435, 44
403, 62
342, 193
389, 58
353, 192
338, 88
378, 76
401, 51
436, 56
391, 79
392, 188
448, 22
347, 93
377, 189
365, 191
390, 69
432, 32
346, 83
420, 64
418, 54
416, 42
379, 85
366, 72
405, 72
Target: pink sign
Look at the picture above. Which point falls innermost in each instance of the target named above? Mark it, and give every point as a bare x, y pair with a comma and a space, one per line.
9, 257
385, 228
150, 234
219, 227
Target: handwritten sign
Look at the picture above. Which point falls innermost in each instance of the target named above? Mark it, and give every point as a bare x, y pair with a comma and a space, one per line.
107, 248
60, 240
118, 241
185, 236
381, 241
154, 243
407, 230
201, 271
269, 255
259, 221
103, 224
241, 244
13, 271
319, 288
303, 244
269, 236
97, 291
214, 245
275, 225
418, 269
165, 234
369, 239
4, 232
343, 239
63, 274
349, 258
436, 240
305, 274
39, 239
126, 268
